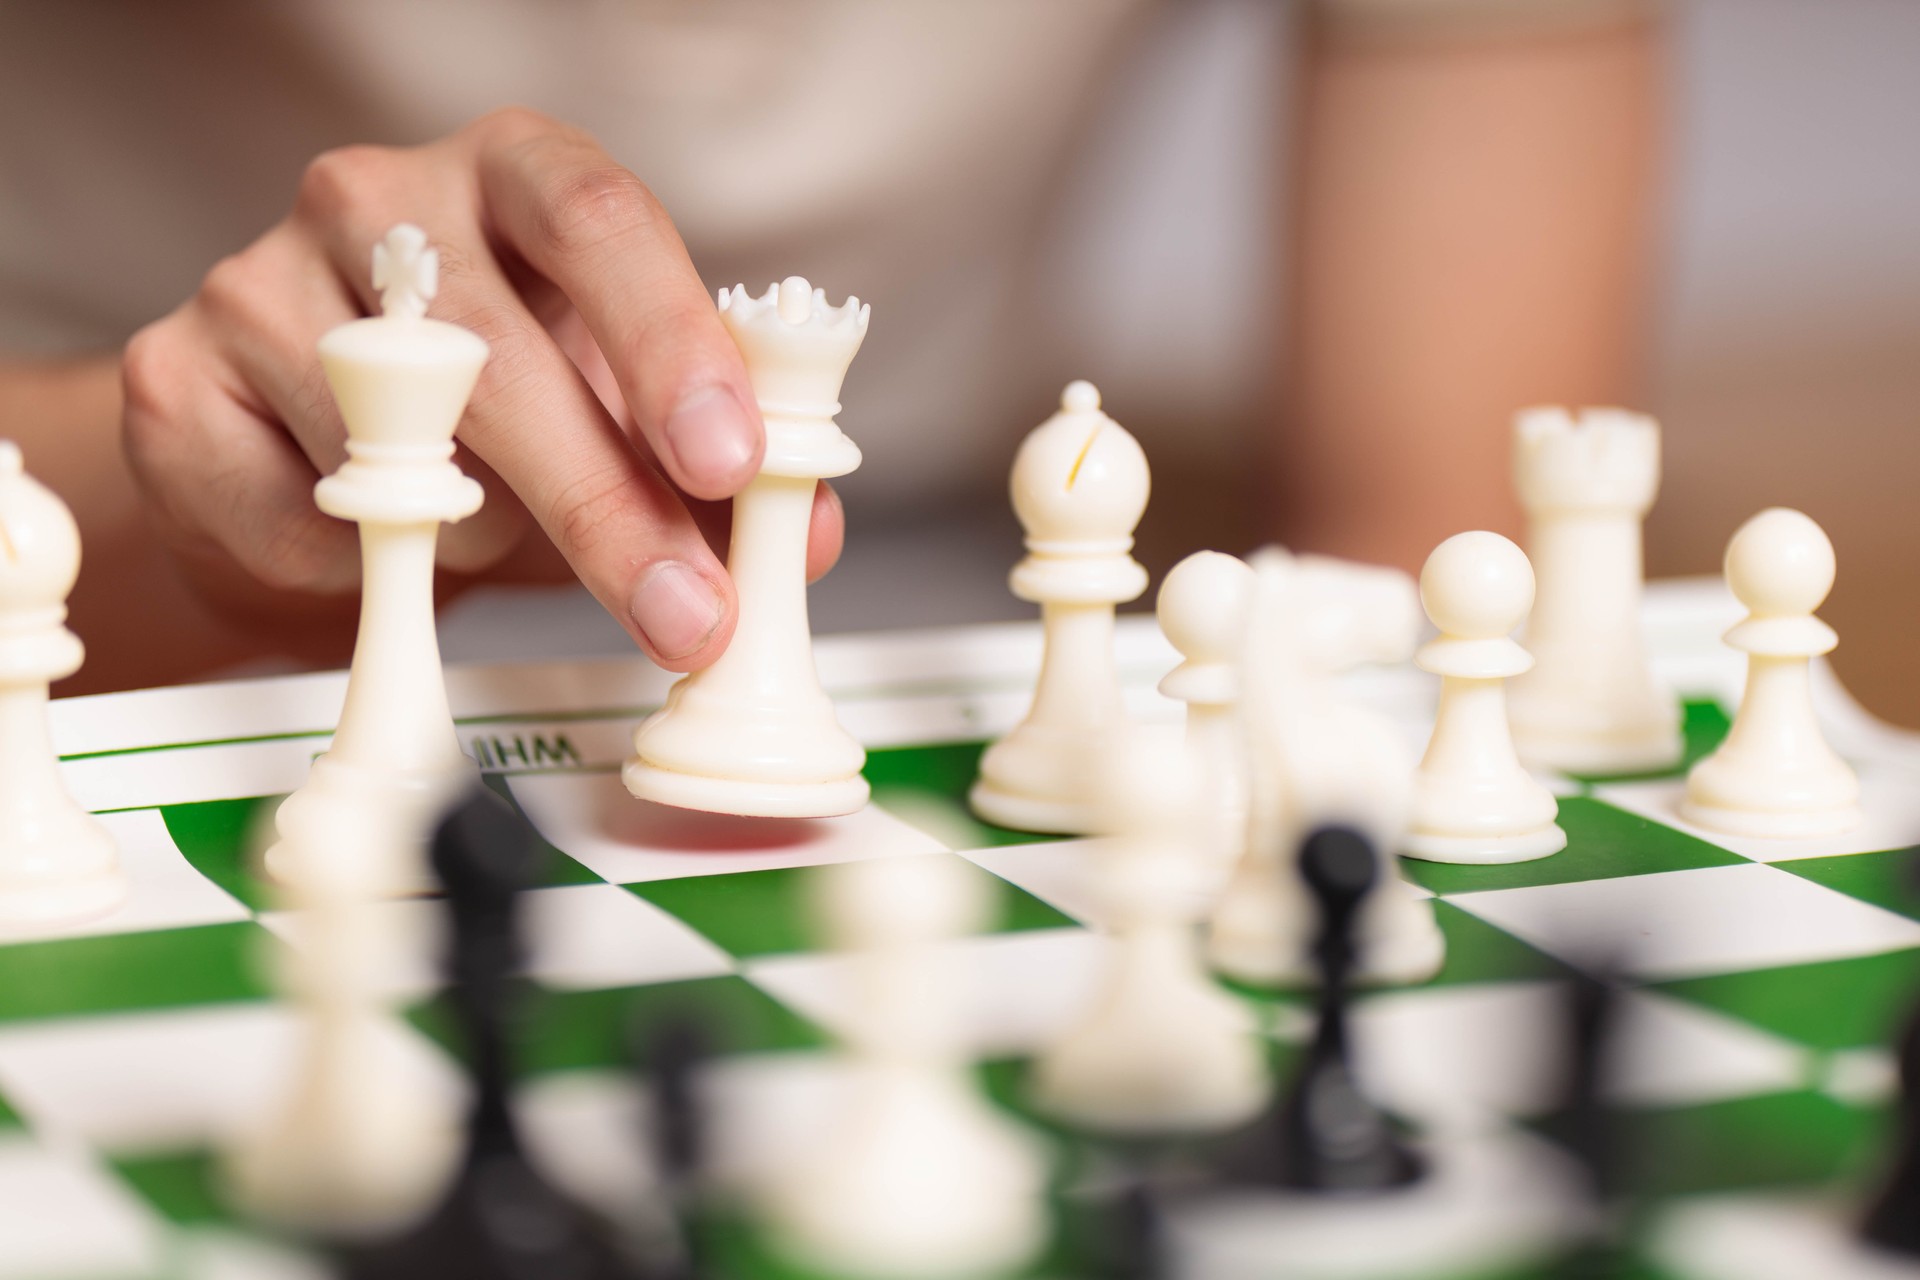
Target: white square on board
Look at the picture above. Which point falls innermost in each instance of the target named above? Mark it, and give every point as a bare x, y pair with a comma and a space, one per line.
578, 937
65, 1215
1019, 991
174, 1079
1677, 924
1889, 799
164, 889
627, 841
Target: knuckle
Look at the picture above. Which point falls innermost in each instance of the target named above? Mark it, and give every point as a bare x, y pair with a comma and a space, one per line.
152, 378
334, 181
585, 208
231, 293
589, 512
513, 122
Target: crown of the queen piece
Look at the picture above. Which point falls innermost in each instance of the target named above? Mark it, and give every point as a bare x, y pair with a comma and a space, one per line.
797, 347
1601, 459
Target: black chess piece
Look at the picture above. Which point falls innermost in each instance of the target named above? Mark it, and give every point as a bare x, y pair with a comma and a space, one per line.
500, 1219
670, 1053
1324, 1134
1892, 1220
1590, 1126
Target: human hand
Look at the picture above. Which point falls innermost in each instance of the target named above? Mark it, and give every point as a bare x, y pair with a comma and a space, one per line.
613, 416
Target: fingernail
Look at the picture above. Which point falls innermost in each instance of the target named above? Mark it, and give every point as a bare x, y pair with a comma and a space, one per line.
712, 437
676, 609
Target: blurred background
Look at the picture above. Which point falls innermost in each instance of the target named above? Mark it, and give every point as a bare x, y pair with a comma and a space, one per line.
1197, 205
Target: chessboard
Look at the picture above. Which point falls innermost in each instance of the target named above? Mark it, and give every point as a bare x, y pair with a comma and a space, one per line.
1764, 978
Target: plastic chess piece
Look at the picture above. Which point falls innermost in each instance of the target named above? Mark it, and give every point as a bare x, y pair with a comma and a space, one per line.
754, 733
670, 1054
1317, 760
1892, 1220
57, 864
1203, 608
500, 1219
402, 382
1162, 1050
1591, 703
1588, 1124
1080, 485
1325, 1135
923, 1180
1775, 775
1472, 800
363, 1139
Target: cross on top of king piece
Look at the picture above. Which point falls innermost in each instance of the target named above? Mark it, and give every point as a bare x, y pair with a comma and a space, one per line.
448, 427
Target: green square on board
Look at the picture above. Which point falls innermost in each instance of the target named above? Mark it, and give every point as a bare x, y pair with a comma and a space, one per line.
221, 838
761, 913
183, 1186
1890, 879
926, 787
1772, 1140
1602, 842
574, 1030
1834, 1004
164, 968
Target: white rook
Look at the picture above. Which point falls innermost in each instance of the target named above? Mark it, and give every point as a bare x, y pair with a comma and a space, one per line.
1080, 485
56, 863
1590, 704
402, 382
755, 733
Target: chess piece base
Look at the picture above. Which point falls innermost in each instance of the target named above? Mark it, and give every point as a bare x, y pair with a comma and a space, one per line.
1776, 824
68, 871
66, 901
744, 796
1569, 751
1029, 813
1524, 846
415, 798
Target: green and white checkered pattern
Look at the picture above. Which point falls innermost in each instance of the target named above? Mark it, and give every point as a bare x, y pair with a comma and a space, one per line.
1767, 979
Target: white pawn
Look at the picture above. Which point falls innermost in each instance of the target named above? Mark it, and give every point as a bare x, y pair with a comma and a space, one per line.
755, 733
363, 1138
1203, 609
57, 864
1163, 1050
919, 1178
1775, 775
1591, 703
1080, 485
1472, 800
402, 381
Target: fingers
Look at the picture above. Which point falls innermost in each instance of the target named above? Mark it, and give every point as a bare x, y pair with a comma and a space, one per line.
594, 230
221, 478
535, 421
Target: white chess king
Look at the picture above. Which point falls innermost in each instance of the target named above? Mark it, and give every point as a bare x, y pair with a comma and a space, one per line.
402, 382
56, 863
1591, 703
1080, 485
1775, 775
755, 733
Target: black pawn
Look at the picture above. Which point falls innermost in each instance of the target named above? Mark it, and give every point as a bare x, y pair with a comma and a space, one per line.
1893, 1219
1325, 1135
500, 1219
670, 1054
1589, 1124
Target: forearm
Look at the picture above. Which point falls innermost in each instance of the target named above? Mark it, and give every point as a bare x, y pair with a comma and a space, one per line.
140, 625
1469, 235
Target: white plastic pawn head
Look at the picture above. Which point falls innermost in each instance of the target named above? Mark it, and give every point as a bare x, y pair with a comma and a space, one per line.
1476, 588
39, 542
1780, 565
1148, 796
1079, 486
1204, 605
889, 902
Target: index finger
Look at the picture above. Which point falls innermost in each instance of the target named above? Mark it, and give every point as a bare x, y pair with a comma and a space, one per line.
591, 227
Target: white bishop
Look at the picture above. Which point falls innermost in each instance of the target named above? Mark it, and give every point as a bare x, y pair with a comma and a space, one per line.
56, 863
